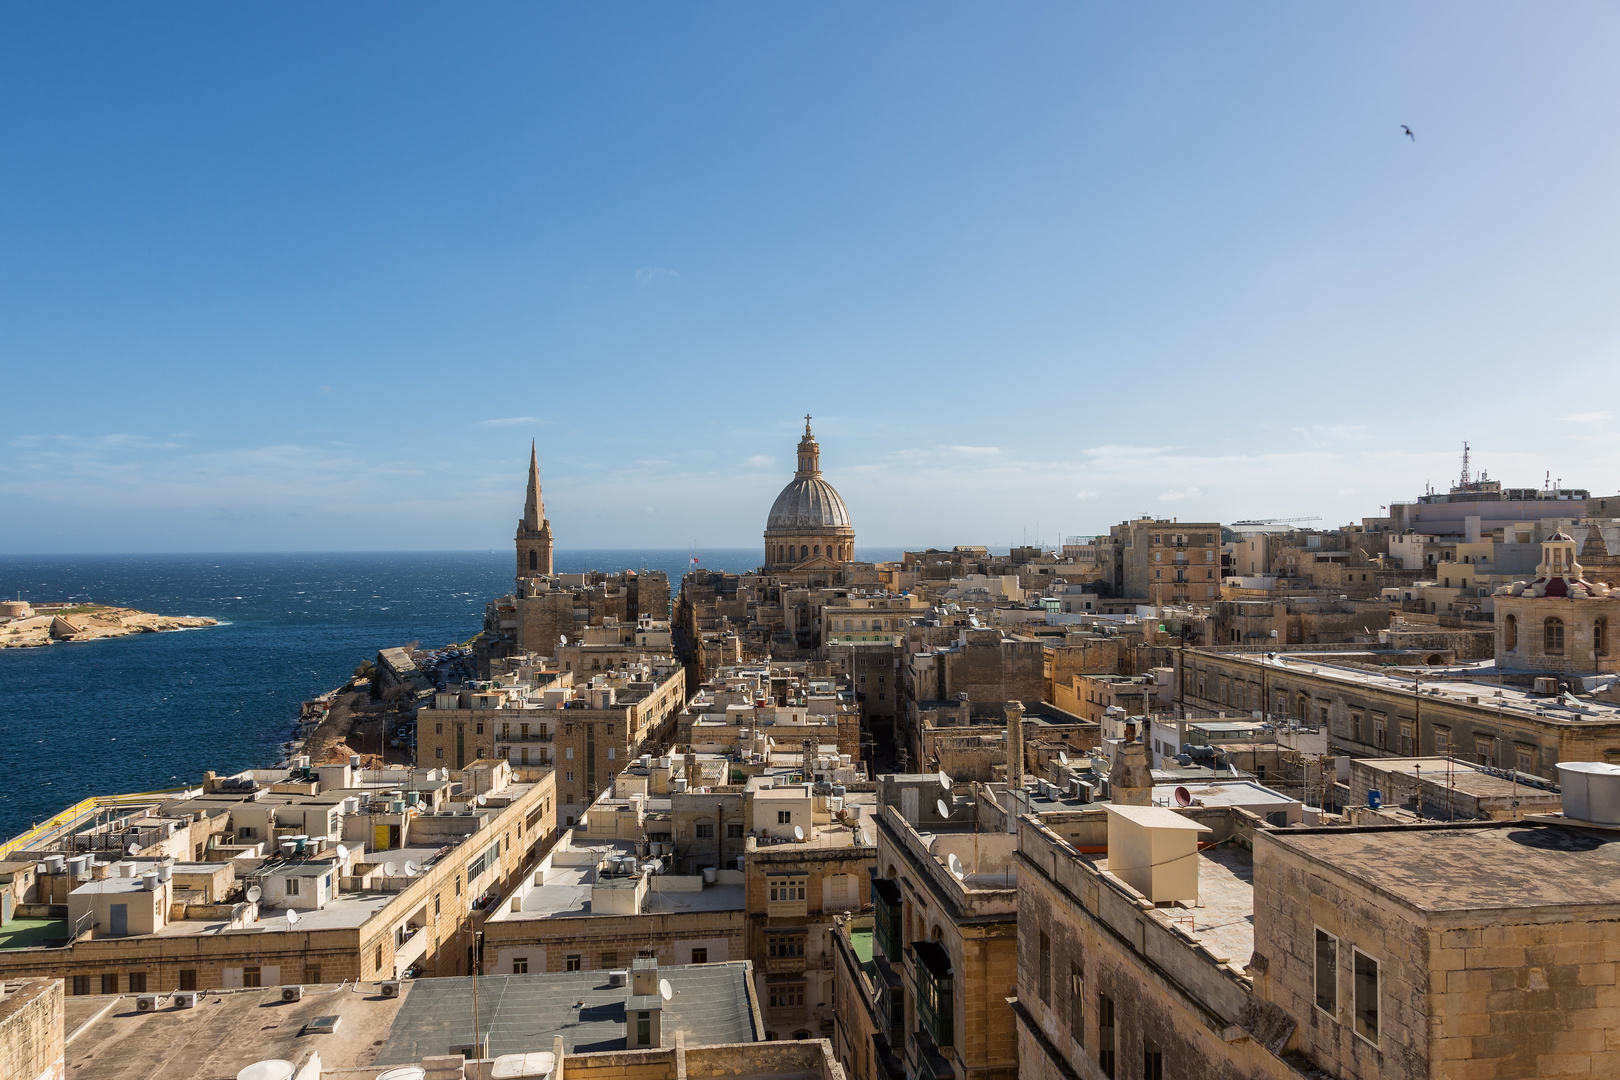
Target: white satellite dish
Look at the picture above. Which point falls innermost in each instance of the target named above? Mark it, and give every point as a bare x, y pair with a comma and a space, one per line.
944, 780
1063, 759
390, 870
254, 893
482, 799
343, 853
798, 832
562, 639
411, 869
134, 848
866, 838
944, 811
292, 916
665, 990
955, 865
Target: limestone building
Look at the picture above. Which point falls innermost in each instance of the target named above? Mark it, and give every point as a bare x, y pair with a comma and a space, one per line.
534, 531
1559, 621
808, 530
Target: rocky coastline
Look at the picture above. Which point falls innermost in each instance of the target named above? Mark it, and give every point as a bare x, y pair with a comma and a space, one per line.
29, 626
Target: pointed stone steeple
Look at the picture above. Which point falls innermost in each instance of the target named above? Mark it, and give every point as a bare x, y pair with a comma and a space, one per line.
534, 531
534, 510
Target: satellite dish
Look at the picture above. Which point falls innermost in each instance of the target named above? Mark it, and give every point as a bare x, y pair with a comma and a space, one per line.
955, 865
411, 869
1183, 797
1063, 759
562, 639
665, 991
134, 848
482, 799
390, 870
939, 804
292, 916
254, 893
944, 781
798, 832
866, 838
343, 853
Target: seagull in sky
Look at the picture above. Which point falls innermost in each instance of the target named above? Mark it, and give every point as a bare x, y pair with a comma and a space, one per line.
1409, 134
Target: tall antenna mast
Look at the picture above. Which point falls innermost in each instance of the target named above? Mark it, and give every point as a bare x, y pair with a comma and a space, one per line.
1465, 477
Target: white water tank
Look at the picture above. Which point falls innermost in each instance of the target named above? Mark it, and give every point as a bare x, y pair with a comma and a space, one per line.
1576, 779
710, 875
272, 1069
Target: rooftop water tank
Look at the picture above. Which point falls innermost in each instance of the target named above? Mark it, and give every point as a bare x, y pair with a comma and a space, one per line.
1576, 778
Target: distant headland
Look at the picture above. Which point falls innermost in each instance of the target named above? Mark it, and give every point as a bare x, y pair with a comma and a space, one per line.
24, 625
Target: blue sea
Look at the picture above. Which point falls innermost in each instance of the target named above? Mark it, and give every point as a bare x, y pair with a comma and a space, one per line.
155, 710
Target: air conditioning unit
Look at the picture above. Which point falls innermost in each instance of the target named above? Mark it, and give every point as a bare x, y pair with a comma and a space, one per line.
390, 988
185, 999
146, 1003
292, 993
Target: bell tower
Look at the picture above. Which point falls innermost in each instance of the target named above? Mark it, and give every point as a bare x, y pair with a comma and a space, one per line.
534, 531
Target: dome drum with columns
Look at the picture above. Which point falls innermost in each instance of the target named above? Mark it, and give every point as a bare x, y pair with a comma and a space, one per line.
809, 523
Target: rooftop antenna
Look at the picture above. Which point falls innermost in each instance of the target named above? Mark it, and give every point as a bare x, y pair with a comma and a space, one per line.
1465, 479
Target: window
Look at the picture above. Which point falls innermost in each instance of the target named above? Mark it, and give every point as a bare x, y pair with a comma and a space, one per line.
478, 728
1600, 637
109, 984
1442, 742
520, 965
610, 958
700, 956
784, 817
1327, 972
1366, 985
1046, 969
1553, 636
438, 753
1407, 738
568, 775
292, 886
1152, 1060
1510, 632
734, 830
1077, 1004
312, 974
188, 979
646, 954
787, 996
438, 729
1380, 730
571, 962
81, 984
643, 1028
788, 889
704, 830
1524, 759
250, 976
785, 945
1105, 1034
137, 982
568, 755
435, 905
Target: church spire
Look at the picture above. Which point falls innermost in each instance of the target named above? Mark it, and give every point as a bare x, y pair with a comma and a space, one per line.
534, 510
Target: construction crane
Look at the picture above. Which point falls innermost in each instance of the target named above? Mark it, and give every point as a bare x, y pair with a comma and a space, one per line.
1274, 521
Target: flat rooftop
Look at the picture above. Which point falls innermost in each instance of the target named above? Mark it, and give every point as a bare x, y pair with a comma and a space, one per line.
1461, 776
524, 1012
224, 1032
1223, 920
1453, 686
1468, 866
567, 893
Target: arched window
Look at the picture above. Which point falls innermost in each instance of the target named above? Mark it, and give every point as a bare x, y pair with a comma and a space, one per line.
1553, 636
804, 551
534, 559
1510, 633
818, 549
1600, 637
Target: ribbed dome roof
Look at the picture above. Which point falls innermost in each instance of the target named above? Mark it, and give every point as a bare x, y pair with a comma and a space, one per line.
808, 502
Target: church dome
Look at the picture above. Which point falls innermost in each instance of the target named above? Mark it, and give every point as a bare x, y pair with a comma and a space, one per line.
808, 502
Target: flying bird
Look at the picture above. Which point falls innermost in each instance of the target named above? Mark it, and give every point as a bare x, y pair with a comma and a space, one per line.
1409, 134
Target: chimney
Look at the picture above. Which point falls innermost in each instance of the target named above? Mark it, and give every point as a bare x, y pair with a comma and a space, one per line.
1015, 745
1130, 781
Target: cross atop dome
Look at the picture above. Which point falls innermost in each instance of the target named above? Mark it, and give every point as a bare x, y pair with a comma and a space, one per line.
807, 423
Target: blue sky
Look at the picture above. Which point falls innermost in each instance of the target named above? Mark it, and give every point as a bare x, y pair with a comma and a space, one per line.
306, 276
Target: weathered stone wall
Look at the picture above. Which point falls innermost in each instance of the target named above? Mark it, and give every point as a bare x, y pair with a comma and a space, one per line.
31, 1032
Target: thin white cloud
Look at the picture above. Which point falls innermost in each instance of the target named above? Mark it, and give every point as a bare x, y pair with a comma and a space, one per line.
1184, 493
509, 421
650, 275
1086, 496
977, 451
761, 461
